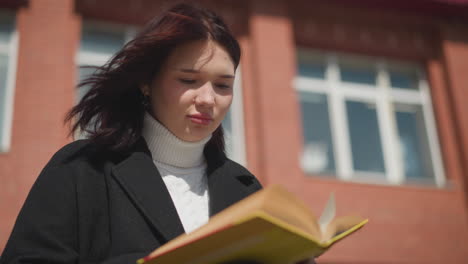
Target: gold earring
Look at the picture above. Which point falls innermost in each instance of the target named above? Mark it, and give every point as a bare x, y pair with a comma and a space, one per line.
145, 90
146, 99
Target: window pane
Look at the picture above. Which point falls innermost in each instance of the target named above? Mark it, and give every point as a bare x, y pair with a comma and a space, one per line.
227, 126
81, 91
227, 121
318, 147
3, 71
312, 70
365, 137
3, 76
101, 41
83, 73
311, 65
6, 28
414, 142
357, 72
404, 78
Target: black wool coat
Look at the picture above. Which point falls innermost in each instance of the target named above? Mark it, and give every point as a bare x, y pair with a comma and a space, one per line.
87, 207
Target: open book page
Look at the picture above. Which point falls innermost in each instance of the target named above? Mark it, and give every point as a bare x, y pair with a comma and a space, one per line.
330, 226
327, 216
297, 214
341, 225
270, 218
284, 206
273, 200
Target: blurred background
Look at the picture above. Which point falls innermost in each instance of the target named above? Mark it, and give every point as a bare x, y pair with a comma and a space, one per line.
364, 98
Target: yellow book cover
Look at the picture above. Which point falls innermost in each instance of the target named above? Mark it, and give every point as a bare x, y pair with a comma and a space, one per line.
270, 226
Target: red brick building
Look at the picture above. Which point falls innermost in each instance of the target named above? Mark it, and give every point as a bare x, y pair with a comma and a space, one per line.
363, 98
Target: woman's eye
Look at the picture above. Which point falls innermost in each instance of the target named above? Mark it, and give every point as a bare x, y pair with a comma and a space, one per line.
187, 81
223, 86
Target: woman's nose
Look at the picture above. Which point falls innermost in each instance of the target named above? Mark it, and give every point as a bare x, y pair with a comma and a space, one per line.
205, 95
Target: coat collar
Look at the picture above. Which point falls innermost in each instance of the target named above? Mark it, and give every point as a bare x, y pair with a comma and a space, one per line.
143, 184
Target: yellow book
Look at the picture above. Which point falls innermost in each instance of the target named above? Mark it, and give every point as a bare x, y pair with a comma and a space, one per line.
270, 226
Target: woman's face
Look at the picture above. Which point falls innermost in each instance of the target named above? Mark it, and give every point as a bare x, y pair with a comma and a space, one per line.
193, 91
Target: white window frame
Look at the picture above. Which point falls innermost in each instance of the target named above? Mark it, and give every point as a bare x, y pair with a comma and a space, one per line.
383, 96
11, 49
237, 122
90, 58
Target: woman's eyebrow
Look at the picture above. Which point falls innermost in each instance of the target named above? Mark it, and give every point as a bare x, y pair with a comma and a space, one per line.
189, 70
226, 76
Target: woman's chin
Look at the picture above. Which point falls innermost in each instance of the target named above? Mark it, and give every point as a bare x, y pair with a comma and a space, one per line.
193, 137
195, 133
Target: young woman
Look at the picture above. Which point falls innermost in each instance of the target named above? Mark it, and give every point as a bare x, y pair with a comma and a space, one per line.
154, 165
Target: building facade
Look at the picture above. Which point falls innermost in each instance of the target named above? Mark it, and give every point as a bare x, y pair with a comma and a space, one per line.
365, 99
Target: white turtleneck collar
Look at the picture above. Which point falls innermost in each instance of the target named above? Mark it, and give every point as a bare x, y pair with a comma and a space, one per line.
166, 148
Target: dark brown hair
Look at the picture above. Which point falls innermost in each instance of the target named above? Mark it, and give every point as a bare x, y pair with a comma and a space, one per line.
111, 113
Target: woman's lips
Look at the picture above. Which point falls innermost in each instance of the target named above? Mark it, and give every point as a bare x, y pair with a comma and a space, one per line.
200, 119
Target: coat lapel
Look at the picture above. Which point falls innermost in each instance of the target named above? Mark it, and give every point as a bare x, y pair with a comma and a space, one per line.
225, 187
141, 180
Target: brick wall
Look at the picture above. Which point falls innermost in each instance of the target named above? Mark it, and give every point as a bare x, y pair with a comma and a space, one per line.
48, 37
408, 224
